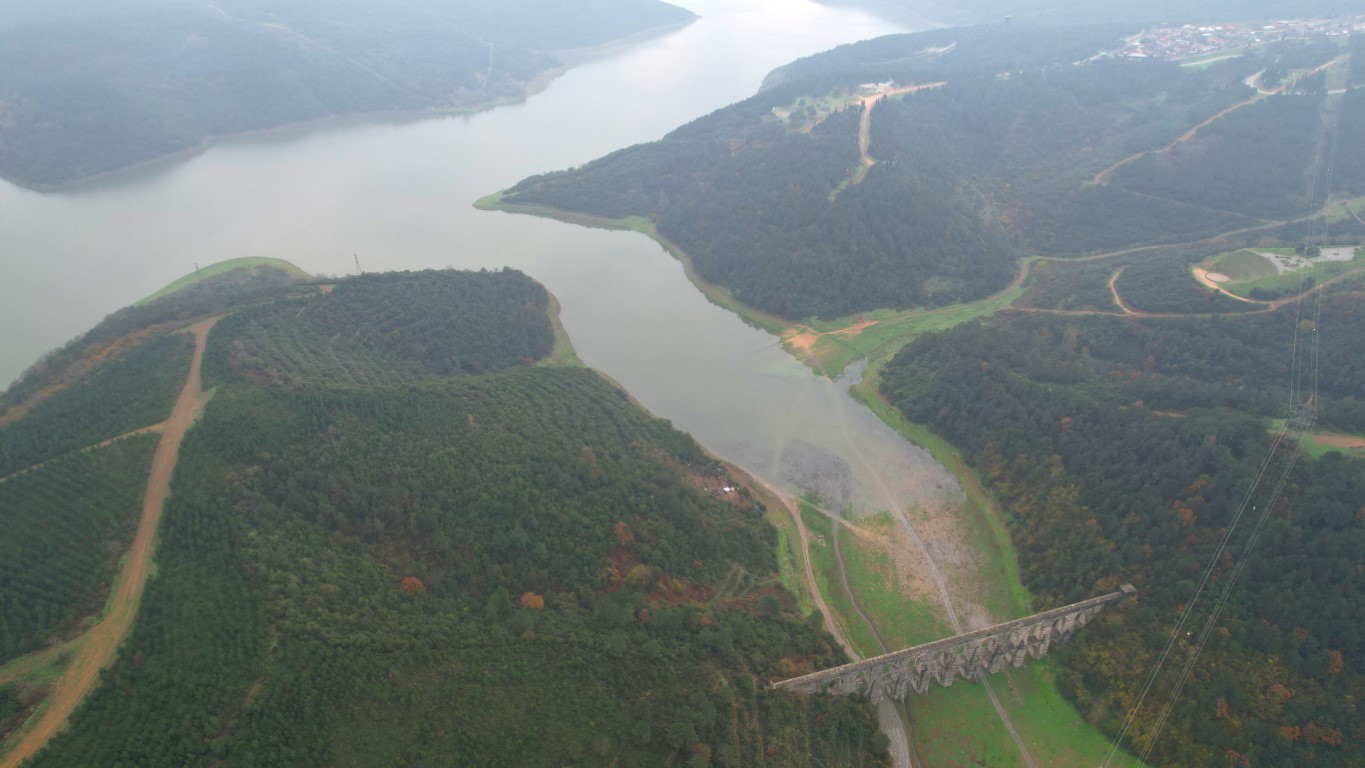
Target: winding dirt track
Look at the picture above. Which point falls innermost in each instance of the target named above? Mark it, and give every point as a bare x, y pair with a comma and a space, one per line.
1103, 176
1266, 306
887, 715
101, 642
1114, 290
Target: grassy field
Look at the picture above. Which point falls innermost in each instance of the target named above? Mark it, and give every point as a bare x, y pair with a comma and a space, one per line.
829, 346
1052, 730
789, 555
1353, 208
563, 352
1241, 266
251, 262
900, 623
818, 107
1320, 443
1290, 282
831, 586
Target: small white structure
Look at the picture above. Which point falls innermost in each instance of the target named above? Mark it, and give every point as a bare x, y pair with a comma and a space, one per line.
884, 87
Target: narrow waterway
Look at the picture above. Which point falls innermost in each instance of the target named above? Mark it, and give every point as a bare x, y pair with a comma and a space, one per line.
397, 194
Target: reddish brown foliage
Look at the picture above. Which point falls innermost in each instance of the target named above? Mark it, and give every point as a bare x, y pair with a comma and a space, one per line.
1335, 663
412, 585
533, 601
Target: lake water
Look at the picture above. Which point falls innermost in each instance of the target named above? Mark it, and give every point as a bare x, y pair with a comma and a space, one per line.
397, 193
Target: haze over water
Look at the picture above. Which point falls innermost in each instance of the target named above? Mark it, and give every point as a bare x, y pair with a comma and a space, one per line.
398, 194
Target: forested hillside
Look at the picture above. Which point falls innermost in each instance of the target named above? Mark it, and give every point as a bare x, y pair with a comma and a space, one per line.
122, 331
133, 392
1019, 143
428, 565
966, 12
389, 328
66, 525
1120, 449
87, 88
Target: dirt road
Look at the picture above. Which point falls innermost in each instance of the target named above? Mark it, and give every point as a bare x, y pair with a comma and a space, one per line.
888, 717
101, 642
1103, 176
898, 513
865, 125
1114, 290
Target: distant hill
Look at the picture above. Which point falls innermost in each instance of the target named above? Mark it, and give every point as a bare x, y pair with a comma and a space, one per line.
87, 88
400, 534
1015, 141
1057, 12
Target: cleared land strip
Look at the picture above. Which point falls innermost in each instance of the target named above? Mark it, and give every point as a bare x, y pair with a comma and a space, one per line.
86, 449
865, 125
1114, 289
1103, 176
98, 646
1266, 306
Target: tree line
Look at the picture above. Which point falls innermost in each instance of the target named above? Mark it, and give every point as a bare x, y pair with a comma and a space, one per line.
1120, 449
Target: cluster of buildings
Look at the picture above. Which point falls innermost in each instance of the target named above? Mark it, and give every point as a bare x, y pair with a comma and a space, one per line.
1193, 40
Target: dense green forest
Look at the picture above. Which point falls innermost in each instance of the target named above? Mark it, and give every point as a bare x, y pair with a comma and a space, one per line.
1120, 449
86, 88
1018, 153
389, 328
111, 337
130, 393
514, 567
66, 526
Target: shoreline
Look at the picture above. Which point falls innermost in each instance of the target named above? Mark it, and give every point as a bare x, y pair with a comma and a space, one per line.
570, 58
864, 391
716, 294
127, 172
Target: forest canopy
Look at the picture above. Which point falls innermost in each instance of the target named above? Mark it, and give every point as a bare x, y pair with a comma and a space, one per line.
87, 88
394, 540
1120, 449
1023, 142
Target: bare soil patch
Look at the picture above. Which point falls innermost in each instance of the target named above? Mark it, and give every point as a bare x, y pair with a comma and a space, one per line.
800, 342
855, 329
1339, 441
1202, 275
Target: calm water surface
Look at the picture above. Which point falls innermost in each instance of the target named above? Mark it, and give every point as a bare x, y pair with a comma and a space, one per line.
398, 194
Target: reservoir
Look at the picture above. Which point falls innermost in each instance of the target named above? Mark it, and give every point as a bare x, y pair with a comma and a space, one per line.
396, 193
